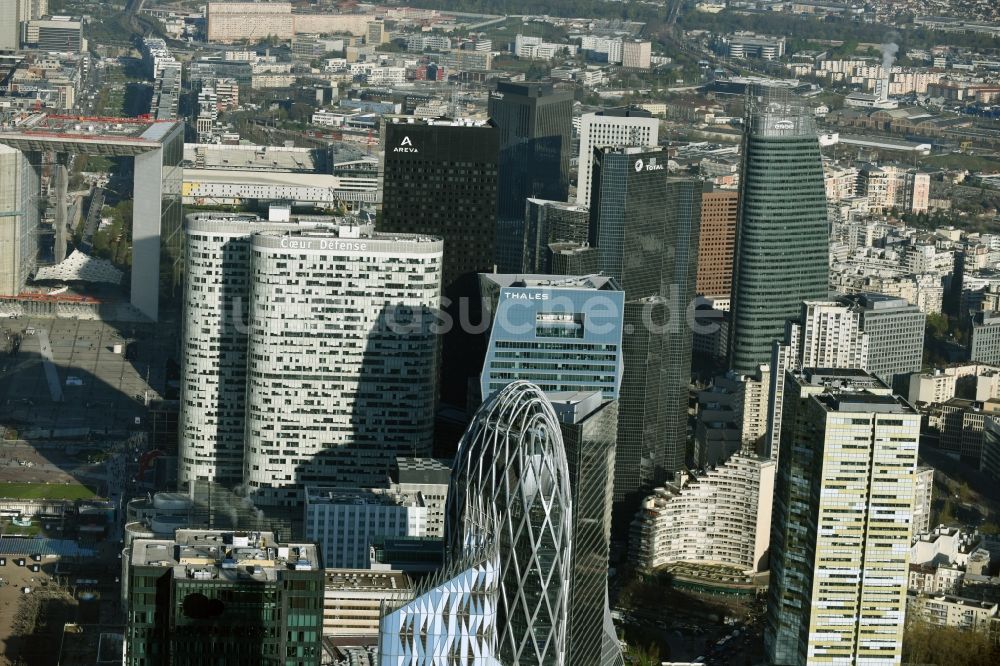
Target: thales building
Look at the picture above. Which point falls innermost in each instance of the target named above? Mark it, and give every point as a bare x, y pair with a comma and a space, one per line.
561, 333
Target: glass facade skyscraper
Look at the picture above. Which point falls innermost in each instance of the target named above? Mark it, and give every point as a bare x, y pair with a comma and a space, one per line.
589, 428
209, 597
512, 459
645, 225
782, 234
551, 226
535, 122
441, 179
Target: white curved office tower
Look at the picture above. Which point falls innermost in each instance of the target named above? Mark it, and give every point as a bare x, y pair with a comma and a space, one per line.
213, 379
342, 357
512, 458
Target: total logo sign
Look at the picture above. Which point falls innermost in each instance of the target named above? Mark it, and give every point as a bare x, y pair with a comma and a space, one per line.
405, 146
647, 166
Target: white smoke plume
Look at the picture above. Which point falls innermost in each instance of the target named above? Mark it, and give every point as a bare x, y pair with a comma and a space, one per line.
889, 51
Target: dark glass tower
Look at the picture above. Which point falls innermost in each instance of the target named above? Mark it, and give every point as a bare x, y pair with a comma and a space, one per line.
589, 428
440, 178
782, 235
645, 225
548, 223
535, 122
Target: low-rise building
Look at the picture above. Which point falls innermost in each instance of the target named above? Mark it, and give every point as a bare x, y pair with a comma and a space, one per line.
946, 610
429, 477
239, 594
343, 522
961, 426
353, 599
973, 381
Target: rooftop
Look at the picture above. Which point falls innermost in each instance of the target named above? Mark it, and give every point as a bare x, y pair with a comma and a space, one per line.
423, 470
80, 134
249, 158
528, 280
361, 496
841, 378
439, 122
366, 580
863, 401
89, 127
215, 554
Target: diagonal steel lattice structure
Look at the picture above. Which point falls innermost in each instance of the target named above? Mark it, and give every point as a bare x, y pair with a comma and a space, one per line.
512, 458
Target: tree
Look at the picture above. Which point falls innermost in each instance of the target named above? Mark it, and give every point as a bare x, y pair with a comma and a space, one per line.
644, 656
937, 326
925, 643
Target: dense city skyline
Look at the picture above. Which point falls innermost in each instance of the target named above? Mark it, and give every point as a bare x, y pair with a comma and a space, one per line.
571, 334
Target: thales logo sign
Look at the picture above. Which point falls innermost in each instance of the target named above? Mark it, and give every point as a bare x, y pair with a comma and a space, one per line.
405, 146
527, 295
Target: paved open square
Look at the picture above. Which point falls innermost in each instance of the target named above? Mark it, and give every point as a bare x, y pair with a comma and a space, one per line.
69, 378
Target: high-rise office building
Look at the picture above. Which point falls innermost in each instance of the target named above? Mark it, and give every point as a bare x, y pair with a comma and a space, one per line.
342, 357
311, 330
627, 126
210, 597
441, 179
589, 424
564, 335
214, 339
645, 226
782, 236
535, 122
13, 15
895, 331
881, 334
842, 521
561, 334
551, 227
715, 245
18, 219
512, 459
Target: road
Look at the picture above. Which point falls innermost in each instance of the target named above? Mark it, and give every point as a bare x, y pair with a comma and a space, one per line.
93, 220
